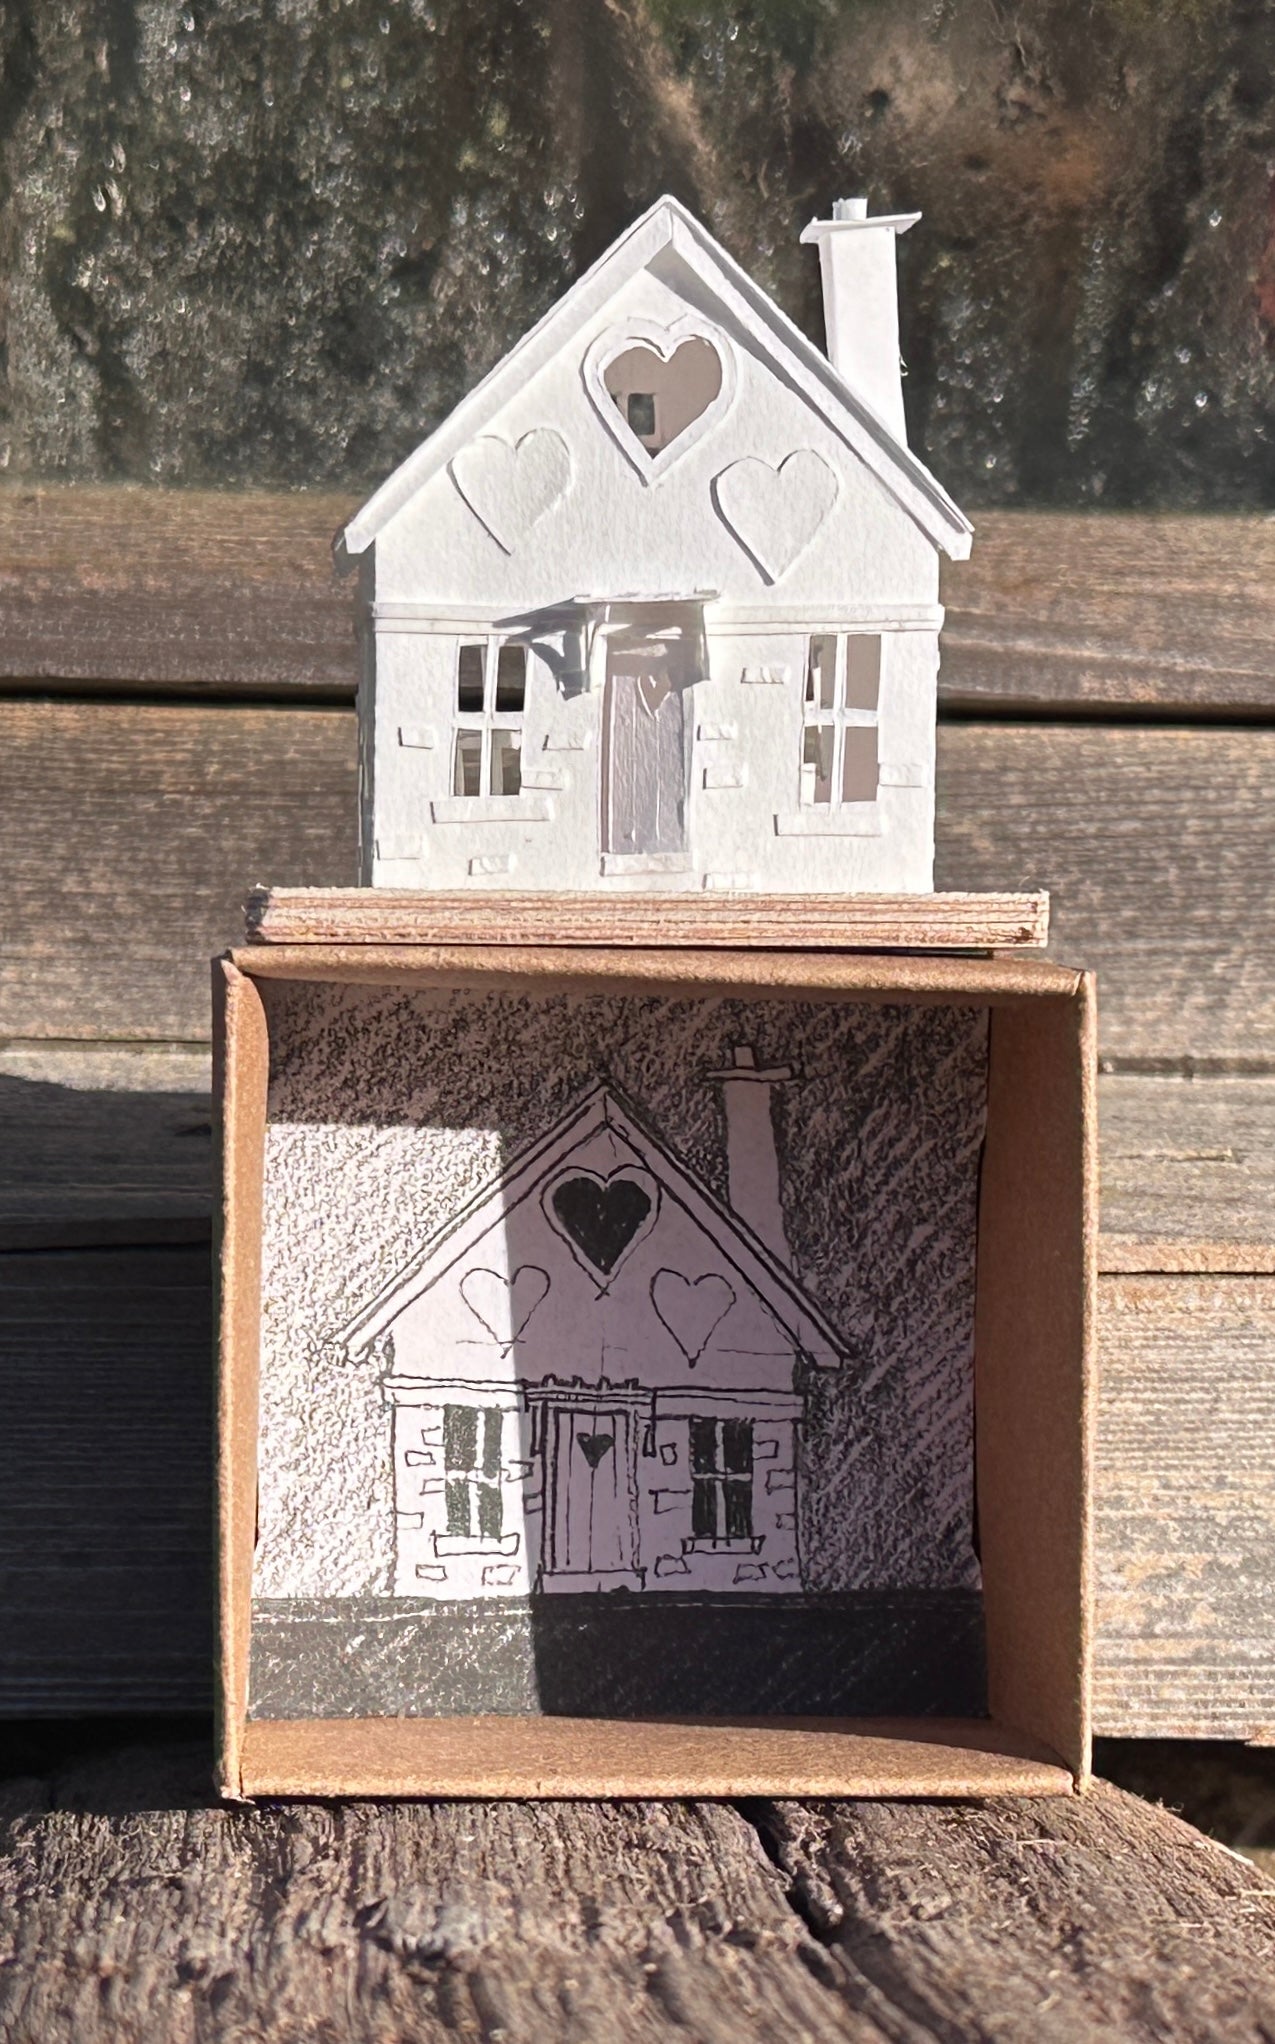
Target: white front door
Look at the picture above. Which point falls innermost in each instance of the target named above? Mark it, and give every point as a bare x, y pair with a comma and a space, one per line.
644, 797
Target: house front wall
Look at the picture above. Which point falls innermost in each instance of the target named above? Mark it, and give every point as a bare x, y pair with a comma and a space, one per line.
823, 548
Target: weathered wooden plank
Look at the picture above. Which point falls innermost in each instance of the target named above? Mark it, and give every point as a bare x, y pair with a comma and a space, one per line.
130, 836
816, 922
101, 1144
105, 1480
1059, 611
131, 1911
1188, 1172
103, 1141
1185, 1532
1101, 1917
175, 590
196, 589
1153, 844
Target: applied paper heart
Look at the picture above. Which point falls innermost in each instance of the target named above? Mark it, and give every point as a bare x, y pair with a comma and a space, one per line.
594, 1446
775, 513
602, 1219
658, 389
692, 1309
508, 488
504, 1305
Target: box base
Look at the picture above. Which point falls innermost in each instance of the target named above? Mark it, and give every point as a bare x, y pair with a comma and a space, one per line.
599, 1757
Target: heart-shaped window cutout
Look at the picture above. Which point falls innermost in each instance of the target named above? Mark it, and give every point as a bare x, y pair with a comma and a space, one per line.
603, 1219
660, 400
658, 389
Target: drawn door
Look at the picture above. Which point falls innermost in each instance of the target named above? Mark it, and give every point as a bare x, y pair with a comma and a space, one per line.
644, 809
595, 1531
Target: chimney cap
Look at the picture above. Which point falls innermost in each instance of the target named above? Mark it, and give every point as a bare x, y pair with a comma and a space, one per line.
849, 214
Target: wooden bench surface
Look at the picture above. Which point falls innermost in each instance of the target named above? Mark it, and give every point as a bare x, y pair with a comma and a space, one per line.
176, 726
133, 1913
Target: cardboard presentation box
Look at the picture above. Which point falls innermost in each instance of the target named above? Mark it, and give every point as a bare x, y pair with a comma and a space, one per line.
653, 1371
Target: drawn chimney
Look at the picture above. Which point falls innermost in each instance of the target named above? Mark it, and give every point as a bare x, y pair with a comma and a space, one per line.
752, 1161
861, 303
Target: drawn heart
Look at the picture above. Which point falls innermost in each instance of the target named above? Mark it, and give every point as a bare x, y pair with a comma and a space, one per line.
594, 1446
504, 1305
658, 389
508, 488
775, 513
692, 1309
603, 1218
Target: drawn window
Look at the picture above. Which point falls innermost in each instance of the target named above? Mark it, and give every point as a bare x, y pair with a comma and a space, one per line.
840, 710
471, 1463
722, 1479
491, 695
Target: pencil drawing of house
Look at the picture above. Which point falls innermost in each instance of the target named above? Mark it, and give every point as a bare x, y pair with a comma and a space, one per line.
595, 1368
656, 608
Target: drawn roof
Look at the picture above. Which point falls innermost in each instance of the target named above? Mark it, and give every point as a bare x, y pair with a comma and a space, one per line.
665, 233
601, 1109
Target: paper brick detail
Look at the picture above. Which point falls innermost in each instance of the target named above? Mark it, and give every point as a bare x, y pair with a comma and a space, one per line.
417, 737
711, 734
726, 776
750, 1572
779, 1480
729, 883
430, 1572
492, 862
669, 1500
498, 1575
766, 677
908, 775
671, 1565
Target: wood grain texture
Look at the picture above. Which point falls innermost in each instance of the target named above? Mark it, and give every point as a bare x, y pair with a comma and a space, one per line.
1057, 611
1149, 842
198, 590
106, 1480
175, 590
100, 1143
1155, 846
1096, 1918
1186, 1508
130, 836
882, 922
1188, 1172
132, 1912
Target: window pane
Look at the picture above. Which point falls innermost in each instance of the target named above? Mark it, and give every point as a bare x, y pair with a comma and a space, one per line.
492, 1417
468, 776
859, 764
703, 1445
511, 678
469, 679
863, 672
460, 1436
816, 763
705, 1491
489, 1513
506, 762
737, 1447
458, 1505
821, 672
739, 1507
640, 411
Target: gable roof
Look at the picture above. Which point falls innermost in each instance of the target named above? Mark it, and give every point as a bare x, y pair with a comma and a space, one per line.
668, 225
600, 1109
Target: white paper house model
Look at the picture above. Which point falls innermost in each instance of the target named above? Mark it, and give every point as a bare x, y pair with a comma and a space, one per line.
656, 608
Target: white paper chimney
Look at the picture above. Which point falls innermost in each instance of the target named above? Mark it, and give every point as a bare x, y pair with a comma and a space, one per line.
861, 303
752, 1162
